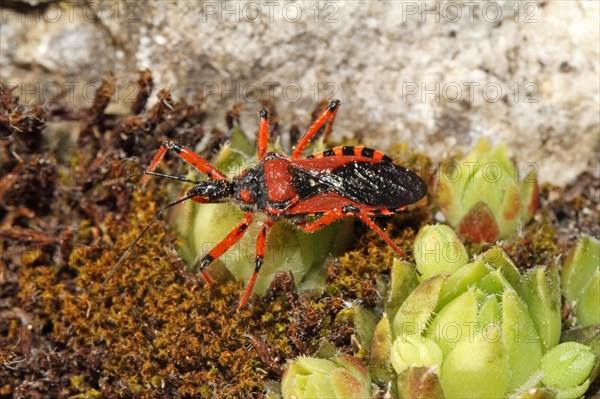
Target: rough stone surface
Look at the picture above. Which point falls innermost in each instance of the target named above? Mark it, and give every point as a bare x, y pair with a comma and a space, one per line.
523, 72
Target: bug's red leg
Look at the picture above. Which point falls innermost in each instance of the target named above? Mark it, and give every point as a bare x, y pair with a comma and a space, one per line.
324, 220
381, 233
261, 240
234, 235
327, 116
157, 158
187, 155
263, 133
329, 127
346, 211
387, 239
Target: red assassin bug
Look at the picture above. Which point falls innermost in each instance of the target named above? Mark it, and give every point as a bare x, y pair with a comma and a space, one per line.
333, 184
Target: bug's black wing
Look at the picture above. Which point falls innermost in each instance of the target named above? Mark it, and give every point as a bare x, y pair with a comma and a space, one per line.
376, 184
379, 184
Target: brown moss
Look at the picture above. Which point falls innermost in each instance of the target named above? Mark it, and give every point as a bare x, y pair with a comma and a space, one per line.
185, 335
354, 274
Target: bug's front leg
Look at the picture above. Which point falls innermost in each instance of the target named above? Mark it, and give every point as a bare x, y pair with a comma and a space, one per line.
231, 238
261, 240
188, 156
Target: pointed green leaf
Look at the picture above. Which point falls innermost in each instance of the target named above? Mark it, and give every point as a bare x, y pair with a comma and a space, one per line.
567, 365
417, 310
477, 368
581, 264
489, 313
455, 321
437, 250
540, 290
522, 342
497, 258
379, 359
587, 308
415, 351
403, 281
461, 280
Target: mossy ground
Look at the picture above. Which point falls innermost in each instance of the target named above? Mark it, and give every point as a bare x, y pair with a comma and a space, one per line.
156, 330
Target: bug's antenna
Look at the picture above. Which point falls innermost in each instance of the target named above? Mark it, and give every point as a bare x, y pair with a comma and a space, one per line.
154, 219
146, 172
121, 178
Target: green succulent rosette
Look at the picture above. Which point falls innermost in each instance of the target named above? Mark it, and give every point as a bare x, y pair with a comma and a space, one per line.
482, 330
202, 226
341, 377
483, 197
580, 280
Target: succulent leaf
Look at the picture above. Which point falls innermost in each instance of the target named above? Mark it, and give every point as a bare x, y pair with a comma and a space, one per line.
364, 322
497, 258
455, 321
417, 310
580, 280
567, 368
489, 312
381, 344
462, 279
477, 368
540, 289
522, 342
403, 281
415, 351
437, 250
419, 383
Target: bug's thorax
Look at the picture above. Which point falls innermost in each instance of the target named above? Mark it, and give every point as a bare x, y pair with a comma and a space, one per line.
266, 186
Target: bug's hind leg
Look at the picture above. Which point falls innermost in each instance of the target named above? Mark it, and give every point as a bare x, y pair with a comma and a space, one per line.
188, 156
231, 238
369, 222
261, 240
327, 116
325, 219
346, 211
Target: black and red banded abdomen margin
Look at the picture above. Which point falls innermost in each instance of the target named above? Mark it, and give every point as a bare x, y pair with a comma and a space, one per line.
379, 184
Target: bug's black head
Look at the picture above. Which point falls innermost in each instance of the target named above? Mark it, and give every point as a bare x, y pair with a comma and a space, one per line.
212, 191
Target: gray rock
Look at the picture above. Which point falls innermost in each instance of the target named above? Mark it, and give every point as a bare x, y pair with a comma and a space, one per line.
521, 72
